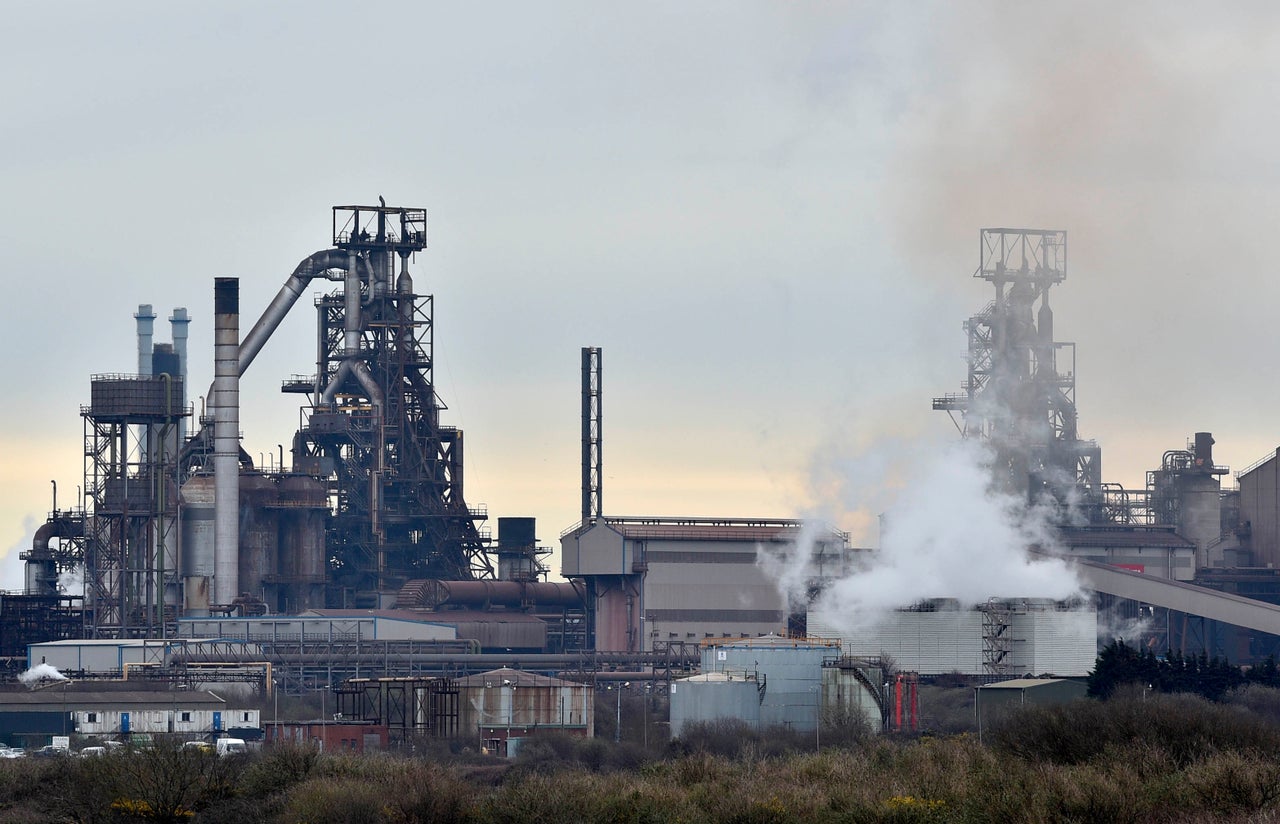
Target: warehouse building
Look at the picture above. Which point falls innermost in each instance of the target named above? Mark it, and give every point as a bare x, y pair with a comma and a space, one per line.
655, 582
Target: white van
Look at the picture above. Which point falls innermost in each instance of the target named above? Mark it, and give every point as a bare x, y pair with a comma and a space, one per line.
230, 746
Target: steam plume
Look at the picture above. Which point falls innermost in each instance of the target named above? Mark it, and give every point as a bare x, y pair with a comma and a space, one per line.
947, 534
41, 672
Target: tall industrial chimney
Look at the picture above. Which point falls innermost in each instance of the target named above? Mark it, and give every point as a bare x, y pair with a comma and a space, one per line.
178, 323
592, 468
146, 327
226, 440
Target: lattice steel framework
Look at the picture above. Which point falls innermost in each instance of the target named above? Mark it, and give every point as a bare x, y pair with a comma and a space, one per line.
1020, 391
130, 538
394, 472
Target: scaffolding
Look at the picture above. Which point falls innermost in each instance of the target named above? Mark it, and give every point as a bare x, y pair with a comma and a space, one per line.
130, 539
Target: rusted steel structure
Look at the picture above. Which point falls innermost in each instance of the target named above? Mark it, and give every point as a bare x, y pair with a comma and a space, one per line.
373, 429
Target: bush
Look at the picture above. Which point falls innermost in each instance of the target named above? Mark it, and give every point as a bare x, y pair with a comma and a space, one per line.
335, 801
1184, 727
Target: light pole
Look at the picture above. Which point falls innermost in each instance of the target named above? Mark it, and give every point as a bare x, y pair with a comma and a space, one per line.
648, 688
817, 724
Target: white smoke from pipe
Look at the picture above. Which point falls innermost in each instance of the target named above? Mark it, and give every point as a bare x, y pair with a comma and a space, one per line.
945, 534
1136, 631
71, 581
41, 672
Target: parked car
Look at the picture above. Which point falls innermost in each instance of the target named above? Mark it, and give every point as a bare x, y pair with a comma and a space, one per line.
231, 746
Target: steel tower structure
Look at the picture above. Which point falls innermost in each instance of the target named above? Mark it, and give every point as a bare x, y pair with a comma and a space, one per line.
129, 546
372, 428
1020, 392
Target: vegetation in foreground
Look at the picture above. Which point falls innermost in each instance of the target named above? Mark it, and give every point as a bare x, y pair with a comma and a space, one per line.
1133, 758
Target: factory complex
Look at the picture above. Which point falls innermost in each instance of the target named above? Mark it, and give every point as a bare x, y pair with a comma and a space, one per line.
352, 566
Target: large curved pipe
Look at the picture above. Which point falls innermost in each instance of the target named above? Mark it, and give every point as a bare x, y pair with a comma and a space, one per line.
303, 274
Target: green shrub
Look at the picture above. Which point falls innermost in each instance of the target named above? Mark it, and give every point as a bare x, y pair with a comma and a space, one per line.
1185, 727
336, 801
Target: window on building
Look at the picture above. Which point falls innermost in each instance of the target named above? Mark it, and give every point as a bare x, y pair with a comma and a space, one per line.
246, 717
91, 717
186, 716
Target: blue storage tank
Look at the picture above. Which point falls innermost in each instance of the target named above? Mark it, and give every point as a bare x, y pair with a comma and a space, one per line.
790, 668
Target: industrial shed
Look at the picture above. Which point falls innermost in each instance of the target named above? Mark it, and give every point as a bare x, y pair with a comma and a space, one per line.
118, 656
655, 582
1152, 550
114, 708
321, 625
505, 706
995, 699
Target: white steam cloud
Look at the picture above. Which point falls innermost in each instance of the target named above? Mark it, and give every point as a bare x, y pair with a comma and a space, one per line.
71, 581
40, 673
946, 534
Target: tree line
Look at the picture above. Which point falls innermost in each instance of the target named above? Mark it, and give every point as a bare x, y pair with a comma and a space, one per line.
1119, 664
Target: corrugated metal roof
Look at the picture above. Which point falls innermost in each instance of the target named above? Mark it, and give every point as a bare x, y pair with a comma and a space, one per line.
1129, 537
520, 678
100, 695
1023, 683
719, 676
703, 529
770, 640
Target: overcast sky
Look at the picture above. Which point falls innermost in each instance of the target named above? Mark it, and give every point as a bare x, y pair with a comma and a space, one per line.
767, 214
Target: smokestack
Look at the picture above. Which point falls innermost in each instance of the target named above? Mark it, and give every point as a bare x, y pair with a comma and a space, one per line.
178, 323
146, 326
226, 440
1204, 450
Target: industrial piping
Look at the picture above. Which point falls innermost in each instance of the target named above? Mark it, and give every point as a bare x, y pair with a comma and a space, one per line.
232, 358
303, 274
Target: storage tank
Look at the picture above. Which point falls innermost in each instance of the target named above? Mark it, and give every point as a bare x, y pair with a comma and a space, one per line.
303, 505
715, 696
259, 539
197, 543
791, 669
853, 689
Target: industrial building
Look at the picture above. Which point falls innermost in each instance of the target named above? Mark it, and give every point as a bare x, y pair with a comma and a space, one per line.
654, 582
1000, 638
992, 701
118, 710
505, 707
